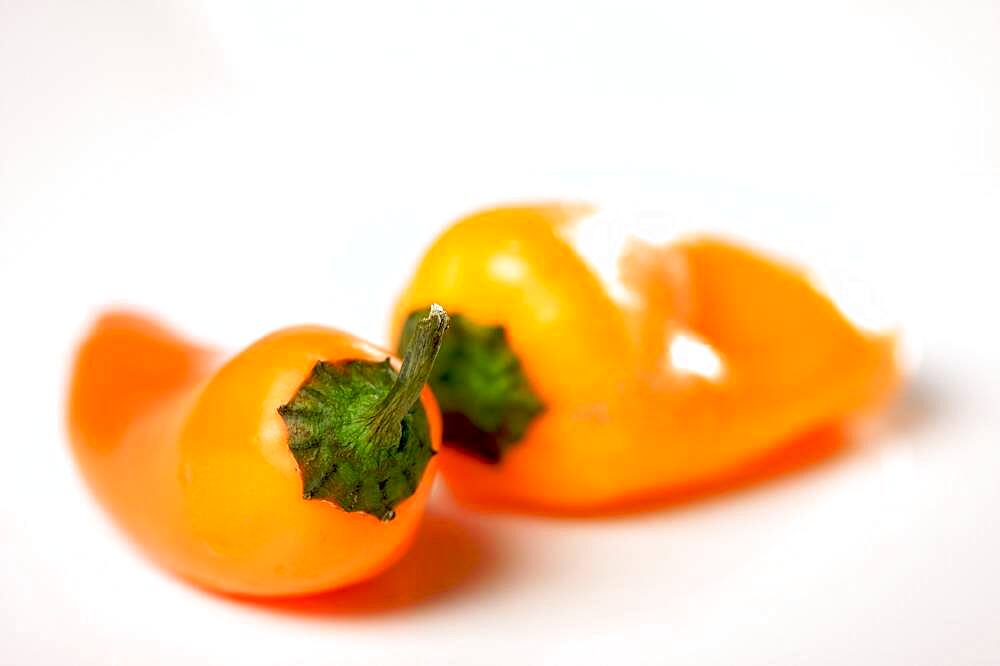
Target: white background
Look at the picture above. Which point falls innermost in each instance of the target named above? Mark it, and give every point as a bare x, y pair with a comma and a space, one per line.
237, 167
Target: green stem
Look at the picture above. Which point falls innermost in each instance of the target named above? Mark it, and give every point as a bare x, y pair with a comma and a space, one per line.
418, 360
486, 400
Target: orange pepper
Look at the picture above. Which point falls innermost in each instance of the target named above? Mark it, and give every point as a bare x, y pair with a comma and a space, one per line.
299, 465
560, 392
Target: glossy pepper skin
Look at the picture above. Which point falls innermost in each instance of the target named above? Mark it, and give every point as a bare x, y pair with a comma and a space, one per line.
619, 425
188, 452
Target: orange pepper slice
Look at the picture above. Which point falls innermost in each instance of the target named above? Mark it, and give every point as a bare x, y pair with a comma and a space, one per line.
620, 423
190, 455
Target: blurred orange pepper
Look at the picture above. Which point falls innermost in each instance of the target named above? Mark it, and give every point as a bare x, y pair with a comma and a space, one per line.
562, 393
299, 465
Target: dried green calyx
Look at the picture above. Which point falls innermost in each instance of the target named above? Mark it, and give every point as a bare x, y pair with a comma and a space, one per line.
485, 399
358, 430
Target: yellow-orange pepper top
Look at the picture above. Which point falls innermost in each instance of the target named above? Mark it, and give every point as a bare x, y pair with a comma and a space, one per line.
563, 394
299, 465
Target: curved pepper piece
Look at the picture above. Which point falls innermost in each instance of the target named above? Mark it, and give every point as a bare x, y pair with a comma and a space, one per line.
622, 420
191, 453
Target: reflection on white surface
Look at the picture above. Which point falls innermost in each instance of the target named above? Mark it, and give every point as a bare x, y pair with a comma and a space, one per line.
691, 355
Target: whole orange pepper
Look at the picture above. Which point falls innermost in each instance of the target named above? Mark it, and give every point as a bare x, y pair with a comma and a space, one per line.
565, 392
299, 465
